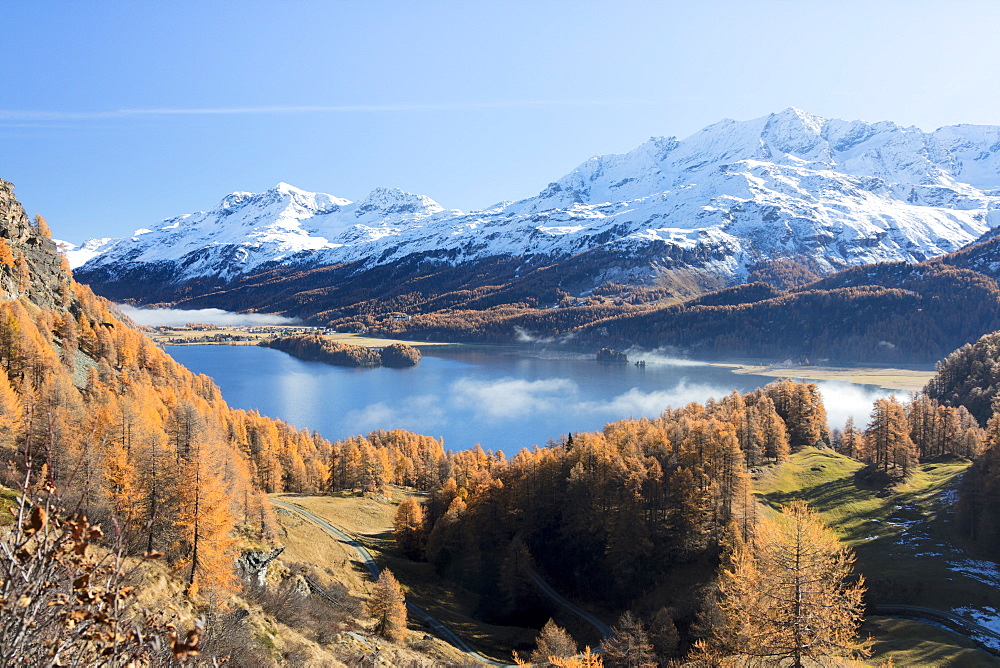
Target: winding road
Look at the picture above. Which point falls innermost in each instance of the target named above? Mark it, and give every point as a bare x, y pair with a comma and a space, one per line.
369, 562
969, 629
547, 589
964, 627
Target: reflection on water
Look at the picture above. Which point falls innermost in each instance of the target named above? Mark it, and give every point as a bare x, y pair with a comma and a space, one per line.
502, 399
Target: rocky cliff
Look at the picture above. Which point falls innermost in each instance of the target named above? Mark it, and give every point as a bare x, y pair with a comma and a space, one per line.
37, 270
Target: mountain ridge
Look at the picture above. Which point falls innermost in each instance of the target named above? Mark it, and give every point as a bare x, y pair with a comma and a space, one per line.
737, 193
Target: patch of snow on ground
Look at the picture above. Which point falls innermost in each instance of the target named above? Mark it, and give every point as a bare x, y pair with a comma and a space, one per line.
903, 523
986, 572
988, 617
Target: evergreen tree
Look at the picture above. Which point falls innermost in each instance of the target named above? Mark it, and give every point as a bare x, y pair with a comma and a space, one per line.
663, 635
408, 529
629, 645
552, 642
787, 595
387, 607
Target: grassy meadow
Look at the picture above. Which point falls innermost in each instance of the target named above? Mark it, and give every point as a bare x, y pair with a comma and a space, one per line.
906, 548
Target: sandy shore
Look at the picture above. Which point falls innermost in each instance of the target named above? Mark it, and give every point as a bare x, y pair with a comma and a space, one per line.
906, 380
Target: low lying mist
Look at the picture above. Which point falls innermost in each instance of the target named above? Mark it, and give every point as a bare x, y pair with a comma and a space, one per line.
661, 357
495, 403
843, 400
175, 317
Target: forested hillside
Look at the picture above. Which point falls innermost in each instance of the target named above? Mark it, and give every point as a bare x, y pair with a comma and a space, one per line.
887, 313
96, 420
896, 313
642, 513
969, 379
884, 313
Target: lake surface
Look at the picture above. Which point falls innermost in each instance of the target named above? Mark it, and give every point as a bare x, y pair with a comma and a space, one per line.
502, 399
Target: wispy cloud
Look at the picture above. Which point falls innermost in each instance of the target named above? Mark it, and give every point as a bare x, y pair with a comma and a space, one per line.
8, 116
422, 413
511, 398
636, 403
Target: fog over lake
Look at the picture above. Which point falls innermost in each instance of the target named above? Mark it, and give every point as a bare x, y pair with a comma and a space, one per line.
177, 317
504, 399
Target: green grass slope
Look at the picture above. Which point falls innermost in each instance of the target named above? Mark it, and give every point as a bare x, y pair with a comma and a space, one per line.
911, 643
906, 548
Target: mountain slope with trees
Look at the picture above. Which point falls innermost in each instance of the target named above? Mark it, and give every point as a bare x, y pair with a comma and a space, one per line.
886, 313
893, 313
96, 420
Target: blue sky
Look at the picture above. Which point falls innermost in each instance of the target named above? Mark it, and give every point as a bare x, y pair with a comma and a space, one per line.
114, 115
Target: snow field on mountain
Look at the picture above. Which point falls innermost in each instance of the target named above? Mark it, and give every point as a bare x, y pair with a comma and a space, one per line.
788, 184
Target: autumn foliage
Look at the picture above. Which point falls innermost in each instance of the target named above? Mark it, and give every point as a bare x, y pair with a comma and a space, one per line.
968, 377
93, 408
789, 595
315, 348
387, 607
63, 593
553, 642
622, 506
408, 528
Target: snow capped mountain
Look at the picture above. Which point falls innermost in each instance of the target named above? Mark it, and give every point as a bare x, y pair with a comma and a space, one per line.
78, 255
737, 192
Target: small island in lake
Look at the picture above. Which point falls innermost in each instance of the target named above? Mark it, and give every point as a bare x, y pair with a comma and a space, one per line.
611, 356
315, 348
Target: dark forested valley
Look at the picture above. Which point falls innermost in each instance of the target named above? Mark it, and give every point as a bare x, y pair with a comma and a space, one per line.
894, 313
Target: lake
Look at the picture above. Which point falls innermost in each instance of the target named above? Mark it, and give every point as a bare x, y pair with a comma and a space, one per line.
501, 398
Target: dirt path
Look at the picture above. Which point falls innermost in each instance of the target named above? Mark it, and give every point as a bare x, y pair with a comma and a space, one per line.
977, 633
547, 589
369, 561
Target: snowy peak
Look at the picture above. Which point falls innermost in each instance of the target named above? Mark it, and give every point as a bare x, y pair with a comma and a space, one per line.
287, 188
789, 184
955, 156
282, 197
797, 135
79, 255
233, 201
390, 201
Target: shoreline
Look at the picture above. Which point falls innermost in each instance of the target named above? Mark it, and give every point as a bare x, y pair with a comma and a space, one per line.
887, 378
243, 335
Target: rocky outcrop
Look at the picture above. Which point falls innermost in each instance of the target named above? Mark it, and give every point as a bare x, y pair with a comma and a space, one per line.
252, 566
37, 272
